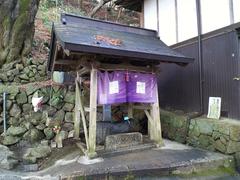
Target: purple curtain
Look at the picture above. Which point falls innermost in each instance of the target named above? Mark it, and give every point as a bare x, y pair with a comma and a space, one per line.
142, 88
124, 86
111, 87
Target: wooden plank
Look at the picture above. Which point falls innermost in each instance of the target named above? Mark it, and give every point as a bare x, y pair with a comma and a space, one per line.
142, 107
82, 147
77, 113
87, 109
83, 71
155, 130
93, 114
150, 119
66, 62
81, 108
54, 59
130, 110
126, 66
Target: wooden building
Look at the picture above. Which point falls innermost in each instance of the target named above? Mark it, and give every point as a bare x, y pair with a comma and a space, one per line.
207, 30
87, 46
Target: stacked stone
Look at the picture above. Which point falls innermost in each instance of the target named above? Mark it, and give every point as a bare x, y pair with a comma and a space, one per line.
25, 124
217, 135
23, 72
174, 126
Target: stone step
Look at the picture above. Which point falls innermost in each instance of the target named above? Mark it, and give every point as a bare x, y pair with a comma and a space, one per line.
123, 150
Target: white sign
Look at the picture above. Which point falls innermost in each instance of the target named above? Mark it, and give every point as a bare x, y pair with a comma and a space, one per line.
214, 107
140, 89
113, 87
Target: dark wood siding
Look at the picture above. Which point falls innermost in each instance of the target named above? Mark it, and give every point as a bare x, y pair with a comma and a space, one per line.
179, 86
220, 66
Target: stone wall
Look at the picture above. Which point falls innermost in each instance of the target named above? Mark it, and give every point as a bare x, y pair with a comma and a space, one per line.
24, 123
24, 71
174, 126
215, 135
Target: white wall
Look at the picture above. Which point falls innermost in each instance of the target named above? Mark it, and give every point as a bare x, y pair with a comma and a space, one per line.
236, 9
150, 14
172, 29
187, 19
215, 14
167, 21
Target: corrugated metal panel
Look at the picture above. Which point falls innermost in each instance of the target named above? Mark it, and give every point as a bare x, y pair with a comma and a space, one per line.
179, 87
220, 66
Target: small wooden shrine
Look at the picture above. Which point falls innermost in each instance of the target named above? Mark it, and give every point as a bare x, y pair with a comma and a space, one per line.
87, 46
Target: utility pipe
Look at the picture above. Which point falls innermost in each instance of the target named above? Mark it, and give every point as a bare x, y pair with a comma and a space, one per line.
4, 113
200, 59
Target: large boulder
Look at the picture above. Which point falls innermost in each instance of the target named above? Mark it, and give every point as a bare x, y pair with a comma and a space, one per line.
70, 97
67, 127
50, 110
57, 100
69, 117
16, 131
33, 135
219, 146
233, 147
235, 133
205, 126
68, 107
15, 111
32, 154
7, 158
59, 116
27, 108
49, 133
10, 140
36, 118
21, 98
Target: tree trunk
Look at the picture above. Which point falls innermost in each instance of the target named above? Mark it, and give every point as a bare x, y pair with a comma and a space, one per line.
16, 28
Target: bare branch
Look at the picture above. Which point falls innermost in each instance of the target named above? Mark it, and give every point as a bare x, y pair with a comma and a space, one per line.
98, 7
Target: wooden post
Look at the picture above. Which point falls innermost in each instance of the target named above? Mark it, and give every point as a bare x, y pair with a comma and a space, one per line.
93, 114
155, 130
81, 109
130, 110
77, 113
107, 113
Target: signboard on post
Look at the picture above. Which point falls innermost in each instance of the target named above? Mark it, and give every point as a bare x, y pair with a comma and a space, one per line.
214, 107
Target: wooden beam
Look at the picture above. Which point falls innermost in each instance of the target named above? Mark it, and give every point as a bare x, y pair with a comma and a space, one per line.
93, 114
84, 71
155, 130
87, 109
142, 107
81, 108
82, 147
77, 113
126, 66
54, 59
66, 62
67, 52
150, 119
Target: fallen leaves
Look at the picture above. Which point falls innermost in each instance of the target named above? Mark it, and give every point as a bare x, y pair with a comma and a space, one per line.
109, 40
